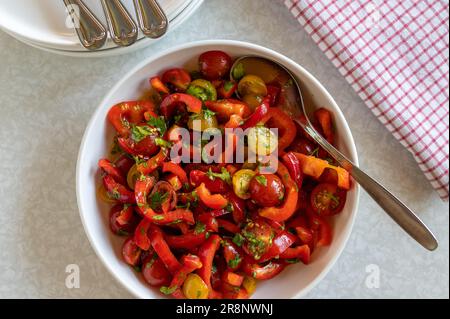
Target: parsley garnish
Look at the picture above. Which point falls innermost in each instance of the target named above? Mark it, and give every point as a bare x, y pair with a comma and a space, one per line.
158, 217
292, 261
163, 143
168, 290
228, 86
159, 123
261, 179
156, 199
138, 133
224, 175
199, 228
238, 239
234, 263
207, 114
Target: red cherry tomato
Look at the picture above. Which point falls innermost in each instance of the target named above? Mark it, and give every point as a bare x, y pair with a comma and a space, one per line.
214, 64
176, 79
303, 146
122, 220
258, 238
266, 190
327, 199
131, 252
154, 272
124, 162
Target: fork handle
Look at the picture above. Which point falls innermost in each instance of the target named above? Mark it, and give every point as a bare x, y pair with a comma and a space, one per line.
121, 25
398, 211
152, 19
91, 32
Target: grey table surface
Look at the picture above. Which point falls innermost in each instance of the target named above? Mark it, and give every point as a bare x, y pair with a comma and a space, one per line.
47, 100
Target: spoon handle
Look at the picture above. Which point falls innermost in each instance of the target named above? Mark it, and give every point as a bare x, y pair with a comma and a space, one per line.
90, 31
121, 25
398, 211
152, 19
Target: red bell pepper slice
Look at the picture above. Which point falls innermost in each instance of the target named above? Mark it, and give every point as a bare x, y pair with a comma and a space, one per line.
293, 165
302, 253
173, 101
257, 116
216, 201
190, 263
305, 235
210, 222
159, 86
153, 163
141, 234
265, 272
163, 250
238, 205
122, 115
277, 118
281, 242
179, 79
125, 216
314, 167
111, 169
232, 292
323, 228
227, 89
229, 226
177, 170
287, 209
206, 253
187, 241
141, 190
175, 181
225, 108
118, 191
323, 116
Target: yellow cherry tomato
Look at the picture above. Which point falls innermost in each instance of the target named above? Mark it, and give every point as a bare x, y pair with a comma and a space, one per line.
207, 120
252, 85
103, 195
241, 182
249, 284
262, 141
195, 288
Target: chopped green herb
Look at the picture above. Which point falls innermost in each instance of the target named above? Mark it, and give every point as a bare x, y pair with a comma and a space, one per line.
163, 143
158, 217
138, 133
198, 92
292, 261
168, 290
157, 199
137, 269
159, 123
315, 152
207, 235
121, 232
234, 263
238, 239
261, 179
228, 85
229, 208
199, 228
208, 113
224, 175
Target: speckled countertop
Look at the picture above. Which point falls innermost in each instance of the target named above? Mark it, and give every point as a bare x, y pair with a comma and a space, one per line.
47, 100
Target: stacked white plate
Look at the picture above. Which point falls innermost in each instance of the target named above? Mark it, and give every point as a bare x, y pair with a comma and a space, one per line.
43, 24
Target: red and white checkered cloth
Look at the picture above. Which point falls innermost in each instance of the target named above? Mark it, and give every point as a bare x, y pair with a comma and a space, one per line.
395, 56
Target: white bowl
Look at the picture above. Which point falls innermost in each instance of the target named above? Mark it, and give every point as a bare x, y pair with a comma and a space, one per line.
297, 279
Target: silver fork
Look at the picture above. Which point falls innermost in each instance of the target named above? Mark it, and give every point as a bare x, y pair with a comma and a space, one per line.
121, 25
91, 32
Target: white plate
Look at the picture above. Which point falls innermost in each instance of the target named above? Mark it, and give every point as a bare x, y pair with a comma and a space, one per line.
296, 280
114, 50
43, 22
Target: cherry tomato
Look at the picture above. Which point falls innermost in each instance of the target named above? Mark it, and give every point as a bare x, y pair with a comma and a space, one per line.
131, 252
122, 220
232, 254
258, 238
267, 190
124, 162
155, 272
141, 141
303, 146
214, 64
176, 79
241, 182
249, 284
252, 85
328, 199
202, 90
122, 115
264, 272
195, 288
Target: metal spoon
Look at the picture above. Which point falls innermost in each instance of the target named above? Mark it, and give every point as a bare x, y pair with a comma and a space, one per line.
91, 32
271, 71
152, 19
121, 26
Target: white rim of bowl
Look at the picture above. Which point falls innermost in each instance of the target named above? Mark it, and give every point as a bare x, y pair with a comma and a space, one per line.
285, 60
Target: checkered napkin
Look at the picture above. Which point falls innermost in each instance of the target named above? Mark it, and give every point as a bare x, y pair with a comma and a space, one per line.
395, 56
